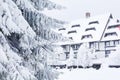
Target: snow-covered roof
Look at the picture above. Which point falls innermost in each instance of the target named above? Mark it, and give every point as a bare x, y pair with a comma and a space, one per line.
87, 29
112, 31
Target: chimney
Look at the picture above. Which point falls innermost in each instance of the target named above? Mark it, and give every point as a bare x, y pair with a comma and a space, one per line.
87, 15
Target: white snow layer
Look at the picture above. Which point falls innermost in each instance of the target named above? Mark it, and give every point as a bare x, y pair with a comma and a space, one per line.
12, 20
90, 74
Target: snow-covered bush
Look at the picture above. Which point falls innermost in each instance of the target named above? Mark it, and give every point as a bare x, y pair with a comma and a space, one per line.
71, 60
85, 55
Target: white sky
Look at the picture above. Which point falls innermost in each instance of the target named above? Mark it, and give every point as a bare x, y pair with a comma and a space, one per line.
76, 9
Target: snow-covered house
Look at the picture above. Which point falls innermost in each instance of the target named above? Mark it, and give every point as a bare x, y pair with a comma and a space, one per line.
99, 32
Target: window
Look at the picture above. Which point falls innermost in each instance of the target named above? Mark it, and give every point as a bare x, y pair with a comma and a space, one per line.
74, 31
115, 26
86, 36
75, 46
94, 22
110, 34
75, 55
109, 43
118, 21
107, 52
88, 29
67, 55
112, 43
91, 45
76, 25
116, 42
70, 38
94, 45
66, 48
62, 29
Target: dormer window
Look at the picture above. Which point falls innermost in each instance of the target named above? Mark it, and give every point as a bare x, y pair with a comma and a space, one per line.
115, 26
110, 34
76, 26
90, 29
86, 36
74, 31
93, 22
62, 29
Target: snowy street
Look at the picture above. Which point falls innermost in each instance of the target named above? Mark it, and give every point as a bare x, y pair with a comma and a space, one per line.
90, 74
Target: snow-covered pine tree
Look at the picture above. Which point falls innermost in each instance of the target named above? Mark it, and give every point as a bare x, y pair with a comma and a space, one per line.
85, 55
25, 39
71, 60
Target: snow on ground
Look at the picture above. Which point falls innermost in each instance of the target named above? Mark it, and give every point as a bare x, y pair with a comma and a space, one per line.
90, 74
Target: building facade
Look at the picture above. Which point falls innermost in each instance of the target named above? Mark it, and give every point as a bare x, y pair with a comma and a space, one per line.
101, 33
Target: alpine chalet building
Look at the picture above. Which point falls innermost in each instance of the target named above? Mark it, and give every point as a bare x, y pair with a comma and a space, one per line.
99, 32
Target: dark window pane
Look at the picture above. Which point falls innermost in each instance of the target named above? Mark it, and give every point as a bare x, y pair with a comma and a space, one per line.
69, 32
76, 25
88, 29
94, 22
